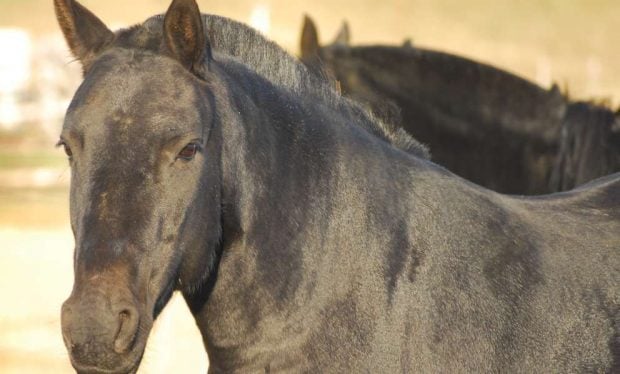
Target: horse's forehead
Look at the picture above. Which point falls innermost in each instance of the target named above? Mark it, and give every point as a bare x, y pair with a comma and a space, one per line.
135, 89
140, 77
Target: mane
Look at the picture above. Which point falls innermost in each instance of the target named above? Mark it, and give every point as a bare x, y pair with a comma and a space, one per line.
588, 144
489, 85
270, 61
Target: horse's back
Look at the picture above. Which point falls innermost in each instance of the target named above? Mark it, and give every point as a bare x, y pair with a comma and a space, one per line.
590, 205
580, 227
577, 234
520, 284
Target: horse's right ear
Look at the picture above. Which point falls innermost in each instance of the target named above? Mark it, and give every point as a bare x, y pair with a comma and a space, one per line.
85, 34
309, 39
184, 35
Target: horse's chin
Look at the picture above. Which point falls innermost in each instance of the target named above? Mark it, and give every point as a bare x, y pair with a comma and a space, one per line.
95, 370
129, 368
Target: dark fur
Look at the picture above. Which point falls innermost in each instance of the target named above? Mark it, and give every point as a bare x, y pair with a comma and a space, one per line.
248, 46
485, 124
304, 242
589, 146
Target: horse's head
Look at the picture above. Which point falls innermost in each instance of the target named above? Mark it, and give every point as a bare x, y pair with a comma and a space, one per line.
145, 205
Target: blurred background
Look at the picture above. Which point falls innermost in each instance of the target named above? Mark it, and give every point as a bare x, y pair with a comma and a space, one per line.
574, 43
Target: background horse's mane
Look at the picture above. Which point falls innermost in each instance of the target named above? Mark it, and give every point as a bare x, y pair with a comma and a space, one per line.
589, 145
269, 60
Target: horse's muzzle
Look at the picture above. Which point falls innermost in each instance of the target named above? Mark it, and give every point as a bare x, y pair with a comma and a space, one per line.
100, 331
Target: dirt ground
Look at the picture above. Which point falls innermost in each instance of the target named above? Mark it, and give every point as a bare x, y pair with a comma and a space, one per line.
572, 42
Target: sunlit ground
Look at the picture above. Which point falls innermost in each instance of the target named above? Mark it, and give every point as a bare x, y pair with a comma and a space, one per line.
574, 43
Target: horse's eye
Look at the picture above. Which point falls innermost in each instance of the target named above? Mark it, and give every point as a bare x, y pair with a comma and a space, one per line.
188, 152
66, 148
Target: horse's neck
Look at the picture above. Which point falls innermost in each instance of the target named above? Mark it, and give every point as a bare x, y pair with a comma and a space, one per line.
532, 111
284, 146
303, 197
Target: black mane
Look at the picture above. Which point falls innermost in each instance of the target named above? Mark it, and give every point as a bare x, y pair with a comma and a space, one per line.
269, 60
588, 145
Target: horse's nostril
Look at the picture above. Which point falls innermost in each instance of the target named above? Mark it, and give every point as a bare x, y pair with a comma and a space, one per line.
127, 330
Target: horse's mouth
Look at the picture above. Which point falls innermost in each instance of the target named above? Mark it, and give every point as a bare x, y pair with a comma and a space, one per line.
126, 369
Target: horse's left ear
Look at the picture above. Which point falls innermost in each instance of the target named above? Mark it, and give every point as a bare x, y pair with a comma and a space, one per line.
309, 42
344, 36
184, 35
85, 34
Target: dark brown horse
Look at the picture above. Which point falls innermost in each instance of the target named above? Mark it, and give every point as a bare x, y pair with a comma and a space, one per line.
484, 124
305, 235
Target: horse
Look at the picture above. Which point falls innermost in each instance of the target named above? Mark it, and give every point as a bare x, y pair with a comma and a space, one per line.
484, 124
304, 234
588, 146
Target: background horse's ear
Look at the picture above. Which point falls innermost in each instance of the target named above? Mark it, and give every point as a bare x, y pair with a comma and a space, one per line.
343, 38
85, 34
309, 39
184, 35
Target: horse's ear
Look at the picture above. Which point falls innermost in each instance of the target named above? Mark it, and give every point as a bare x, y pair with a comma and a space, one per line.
85, 34
344, 36
184, 35
309, 39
